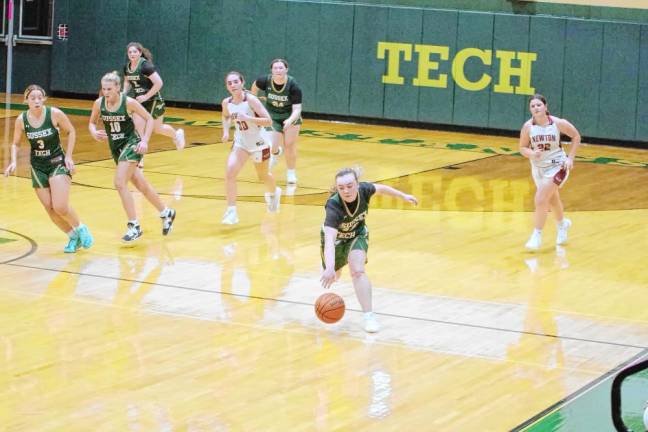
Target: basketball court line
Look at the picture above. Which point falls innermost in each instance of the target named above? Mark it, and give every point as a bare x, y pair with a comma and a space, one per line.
538, 418
31, 241
301, 303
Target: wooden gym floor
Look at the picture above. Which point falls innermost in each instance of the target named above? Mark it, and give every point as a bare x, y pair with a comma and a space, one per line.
212, 328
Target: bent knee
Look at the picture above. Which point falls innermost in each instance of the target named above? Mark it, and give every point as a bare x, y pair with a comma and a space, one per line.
355, 274
61, 209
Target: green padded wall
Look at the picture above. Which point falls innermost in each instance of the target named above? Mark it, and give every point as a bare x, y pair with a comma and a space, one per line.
592, 72
511, 33
334, 54
303, 51
436, 103
642, 96
547, 39
475, 30
619, 85
582, 75
367, 94
401, 101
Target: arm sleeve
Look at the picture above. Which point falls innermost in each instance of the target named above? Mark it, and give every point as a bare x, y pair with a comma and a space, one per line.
262, 82
333, 215
295, 94
148, 68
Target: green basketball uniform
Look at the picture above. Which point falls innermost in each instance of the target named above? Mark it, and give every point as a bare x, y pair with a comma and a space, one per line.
122, 136
140, 84
349, 220
46, 156
280, 99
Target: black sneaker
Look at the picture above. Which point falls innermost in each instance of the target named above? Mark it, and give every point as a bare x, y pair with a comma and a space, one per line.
167, 221
133, 233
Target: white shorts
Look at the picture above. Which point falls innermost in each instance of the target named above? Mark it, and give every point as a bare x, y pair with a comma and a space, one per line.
259, 151
545, 175
258, 155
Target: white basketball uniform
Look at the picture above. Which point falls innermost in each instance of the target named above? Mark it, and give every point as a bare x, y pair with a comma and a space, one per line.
249, 136
546, 138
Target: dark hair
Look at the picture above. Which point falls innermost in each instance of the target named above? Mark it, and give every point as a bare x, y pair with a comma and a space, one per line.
240, 75
141, 48
541, 98
279, 60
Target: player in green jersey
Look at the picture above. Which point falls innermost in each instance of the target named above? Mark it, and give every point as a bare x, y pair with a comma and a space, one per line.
142, 82
51, 168
116, 110
284, 102
345, 239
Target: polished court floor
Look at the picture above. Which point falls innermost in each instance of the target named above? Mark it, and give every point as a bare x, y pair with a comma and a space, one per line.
212, 328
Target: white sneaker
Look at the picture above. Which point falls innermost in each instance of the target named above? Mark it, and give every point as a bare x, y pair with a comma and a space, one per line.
371, 325
291, 189
274, 158
179, 139
273, 200
291, 177
230, 217
535, 241
561, 237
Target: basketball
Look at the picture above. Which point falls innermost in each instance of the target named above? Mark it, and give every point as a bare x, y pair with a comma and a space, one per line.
329, 308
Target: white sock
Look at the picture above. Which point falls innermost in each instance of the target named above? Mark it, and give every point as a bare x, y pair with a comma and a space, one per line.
71, 233
231, 208
537, 231
165, 212
134, 222
290, 171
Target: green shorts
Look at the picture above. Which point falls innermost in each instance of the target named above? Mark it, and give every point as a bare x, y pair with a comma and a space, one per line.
41, 174
127, 152
155, 107
344, 247
277, 122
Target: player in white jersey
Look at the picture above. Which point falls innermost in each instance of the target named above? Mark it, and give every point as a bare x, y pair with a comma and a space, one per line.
249, 117
550, 166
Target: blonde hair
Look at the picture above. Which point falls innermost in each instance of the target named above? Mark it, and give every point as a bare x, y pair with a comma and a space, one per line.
34, 87
112, 77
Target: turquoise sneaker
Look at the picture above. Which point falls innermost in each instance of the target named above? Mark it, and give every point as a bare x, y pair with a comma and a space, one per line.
73, 245
85, 238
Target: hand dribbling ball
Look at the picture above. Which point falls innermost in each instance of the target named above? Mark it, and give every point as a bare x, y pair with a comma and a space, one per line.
329, 308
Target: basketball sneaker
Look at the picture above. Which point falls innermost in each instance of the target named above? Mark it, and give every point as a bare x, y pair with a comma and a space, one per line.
230, 217
167, 220
179, 139
133, 232
291, 177
371, 325
73, 244
535, 241
274, 157
85, 238
273, 200
561, 237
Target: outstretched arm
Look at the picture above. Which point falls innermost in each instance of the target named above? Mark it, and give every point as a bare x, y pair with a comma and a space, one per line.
388, 190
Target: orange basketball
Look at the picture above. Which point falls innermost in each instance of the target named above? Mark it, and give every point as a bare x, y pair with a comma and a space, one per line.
329, 308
